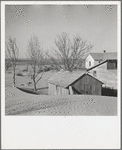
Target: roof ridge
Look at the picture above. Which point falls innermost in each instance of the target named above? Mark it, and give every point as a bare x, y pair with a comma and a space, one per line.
102, 52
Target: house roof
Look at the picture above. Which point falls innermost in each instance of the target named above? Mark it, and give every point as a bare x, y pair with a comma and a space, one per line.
109, 55
66, 78
104, 56
97, 56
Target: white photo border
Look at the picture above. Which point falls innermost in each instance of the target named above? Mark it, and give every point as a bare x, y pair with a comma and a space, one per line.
79, 132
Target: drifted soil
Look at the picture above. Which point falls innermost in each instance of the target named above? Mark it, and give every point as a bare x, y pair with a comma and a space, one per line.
21, 103
18, 102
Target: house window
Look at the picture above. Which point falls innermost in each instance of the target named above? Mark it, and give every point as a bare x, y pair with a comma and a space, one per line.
89, 63
57, 88
94, 73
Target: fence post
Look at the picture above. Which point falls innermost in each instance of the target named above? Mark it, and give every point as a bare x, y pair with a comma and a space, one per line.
70, 90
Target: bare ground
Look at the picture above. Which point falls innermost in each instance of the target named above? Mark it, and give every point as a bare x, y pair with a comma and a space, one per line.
18, 102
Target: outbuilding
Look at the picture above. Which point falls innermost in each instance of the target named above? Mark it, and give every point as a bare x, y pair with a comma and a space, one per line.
111, 58
75, 82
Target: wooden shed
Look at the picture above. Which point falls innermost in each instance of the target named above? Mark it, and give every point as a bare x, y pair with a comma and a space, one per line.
75, 82
111, 58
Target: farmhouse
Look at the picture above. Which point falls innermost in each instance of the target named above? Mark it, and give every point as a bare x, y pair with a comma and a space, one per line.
75, 82
95, 58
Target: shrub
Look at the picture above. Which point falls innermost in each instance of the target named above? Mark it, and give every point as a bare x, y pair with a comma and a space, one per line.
47, 69
44, 69
40, 70
19, 74
9, 72
25, 70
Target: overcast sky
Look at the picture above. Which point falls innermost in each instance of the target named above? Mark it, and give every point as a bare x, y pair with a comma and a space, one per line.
96, 24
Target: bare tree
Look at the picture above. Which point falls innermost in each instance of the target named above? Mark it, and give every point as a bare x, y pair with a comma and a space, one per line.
11, 53
35, 57
7, 64
70, 52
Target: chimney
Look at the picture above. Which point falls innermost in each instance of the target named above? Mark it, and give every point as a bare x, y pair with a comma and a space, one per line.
104, 51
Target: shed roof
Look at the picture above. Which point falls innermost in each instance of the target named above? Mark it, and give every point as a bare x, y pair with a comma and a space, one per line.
66, 78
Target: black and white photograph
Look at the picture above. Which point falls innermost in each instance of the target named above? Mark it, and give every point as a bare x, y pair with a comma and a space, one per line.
61, 59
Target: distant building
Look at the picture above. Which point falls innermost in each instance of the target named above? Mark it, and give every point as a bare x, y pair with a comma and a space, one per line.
95, 58
75, 82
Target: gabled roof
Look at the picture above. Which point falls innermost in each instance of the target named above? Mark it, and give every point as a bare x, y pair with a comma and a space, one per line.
104, 56
66, 78
109, 55
97, 56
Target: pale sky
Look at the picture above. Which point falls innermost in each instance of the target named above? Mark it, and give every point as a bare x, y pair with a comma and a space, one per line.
96, 24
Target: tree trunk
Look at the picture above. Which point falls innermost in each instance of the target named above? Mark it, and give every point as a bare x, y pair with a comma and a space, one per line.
34, 82
14, 75
34, 85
